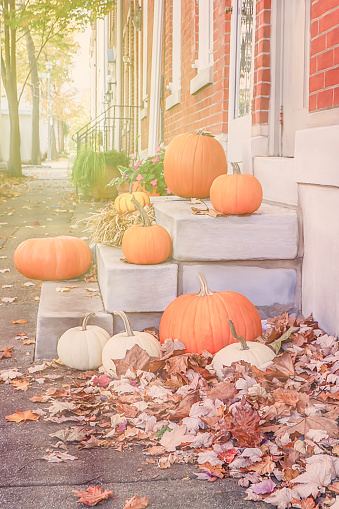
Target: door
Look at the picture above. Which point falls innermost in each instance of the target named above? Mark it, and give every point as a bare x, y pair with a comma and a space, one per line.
295, 71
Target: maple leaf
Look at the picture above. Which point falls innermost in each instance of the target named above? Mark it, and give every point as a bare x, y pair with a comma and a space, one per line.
93, 495
58, 457
305, 424
172, 439
177, 364
245, 425
7, 353
135, 358
261, 488
19, 322
136, 502
19, 416
281, 498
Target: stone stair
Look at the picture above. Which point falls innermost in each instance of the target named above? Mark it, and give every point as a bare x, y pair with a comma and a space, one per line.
256, 255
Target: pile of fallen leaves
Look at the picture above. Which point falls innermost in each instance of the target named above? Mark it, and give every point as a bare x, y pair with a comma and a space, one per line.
275, 430
108, 226
12, 187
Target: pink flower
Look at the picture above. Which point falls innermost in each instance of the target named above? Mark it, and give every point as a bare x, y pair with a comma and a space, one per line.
155, 159
157, 149
154, 182
137, 164
139, 177
168, 191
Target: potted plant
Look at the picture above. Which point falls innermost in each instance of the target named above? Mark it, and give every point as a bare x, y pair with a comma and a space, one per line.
93, 170
147, 175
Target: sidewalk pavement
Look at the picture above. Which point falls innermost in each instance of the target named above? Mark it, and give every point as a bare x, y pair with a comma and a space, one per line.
47, 205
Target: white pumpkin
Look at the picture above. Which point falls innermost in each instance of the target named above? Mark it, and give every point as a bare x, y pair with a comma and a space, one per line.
119, 344
253, 352
81, 347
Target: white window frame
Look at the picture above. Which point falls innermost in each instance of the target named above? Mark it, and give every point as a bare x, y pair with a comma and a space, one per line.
143, 112
175, 85
204, 62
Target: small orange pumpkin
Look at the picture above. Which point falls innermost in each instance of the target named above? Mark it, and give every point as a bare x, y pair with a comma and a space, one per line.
62, 257
191, 163
146, 244
199, 320
236, 194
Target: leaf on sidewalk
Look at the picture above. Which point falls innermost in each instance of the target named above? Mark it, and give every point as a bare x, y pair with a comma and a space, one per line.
93, 495
21, 385
136, 502
19, 416
19, 322
6, 353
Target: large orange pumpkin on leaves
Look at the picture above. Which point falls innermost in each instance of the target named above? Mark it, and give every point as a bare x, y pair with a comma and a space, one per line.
62, 257
199, 320
191, 163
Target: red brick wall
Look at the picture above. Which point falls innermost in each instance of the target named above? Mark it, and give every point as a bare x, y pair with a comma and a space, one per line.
324, 64
262, 73
207, 108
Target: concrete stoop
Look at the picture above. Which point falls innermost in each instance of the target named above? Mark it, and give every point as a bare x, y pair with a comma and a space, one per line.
255, 255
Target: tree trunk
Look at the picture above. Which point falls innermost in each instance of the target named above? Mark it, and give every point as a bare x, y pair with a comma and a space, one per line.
53, 143
36, 155
61, 136
8, 73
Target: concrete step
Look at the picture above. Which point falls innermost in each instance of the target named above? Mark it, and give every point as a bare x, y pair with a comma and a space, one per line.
59, 311
277, 177
271, 233
136, 289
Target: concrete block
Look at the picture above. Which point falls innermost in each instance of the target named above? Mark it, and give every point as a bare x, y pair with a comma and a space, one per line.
277, 177
134, 288
59, 311
262, 286
270, 233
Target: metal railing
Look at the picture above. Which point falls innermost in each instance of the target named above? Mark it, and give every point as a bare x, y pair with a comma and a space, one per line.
115, 128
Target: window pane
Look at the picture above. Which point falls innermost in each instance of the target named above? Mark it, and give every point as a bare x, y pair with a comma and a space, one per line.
244, 57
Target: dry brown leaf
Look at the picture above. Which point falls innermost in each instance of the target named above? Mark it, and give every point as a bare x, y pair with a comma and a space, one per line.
136, 358
136, 502
21, 385
245, 425
266, 466
303, 425
287, 396
225, 391
19, 322
7, 353
19, 416
93, 495
177, 364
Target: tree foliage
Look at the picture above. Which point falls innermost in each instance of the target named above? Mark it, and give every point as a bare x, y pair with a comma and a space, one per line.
44, 20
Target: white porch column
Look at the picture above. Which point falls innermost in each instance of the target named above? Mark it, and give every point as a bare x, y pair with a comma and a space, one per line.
154, 124
118, 77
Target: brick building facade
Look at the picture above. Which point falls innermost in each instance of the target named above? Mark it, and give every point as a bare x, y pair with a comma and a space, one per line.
263, 77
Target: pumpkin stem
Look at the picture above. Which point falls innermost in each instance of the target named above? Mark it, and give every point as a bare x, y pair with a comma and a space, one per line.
85, 320
204, 290
145, 219
236, 336
127, 323
201, 132
236, 169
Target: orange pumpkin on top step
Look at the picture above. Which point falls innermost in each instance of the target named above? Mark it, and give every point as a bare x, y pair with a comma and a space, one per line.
236, 194
199, 320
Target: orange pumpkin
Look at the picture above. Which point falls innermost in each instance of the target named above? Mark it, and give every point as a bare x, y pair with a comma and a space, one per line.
236, 194
199, 320
61, 257
191, 163
146, 244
